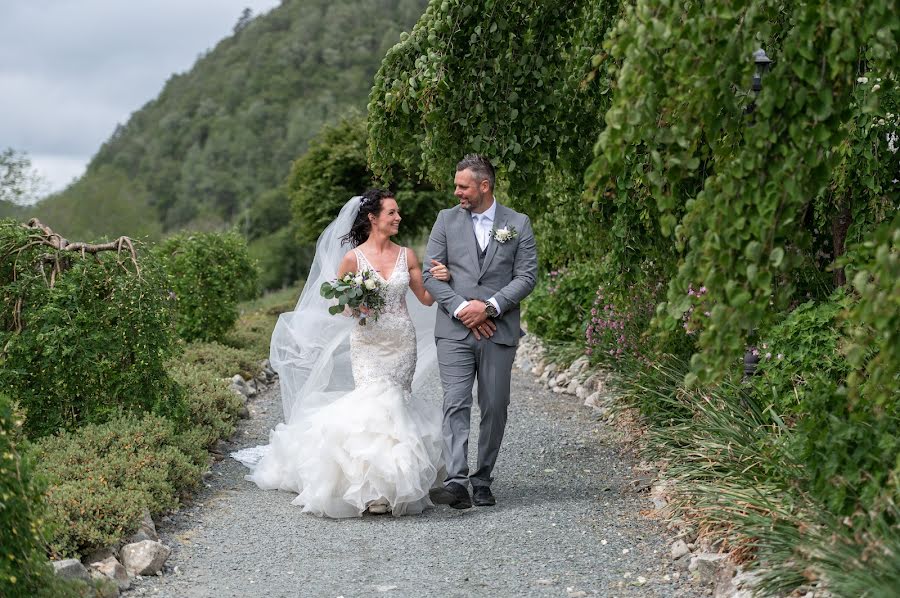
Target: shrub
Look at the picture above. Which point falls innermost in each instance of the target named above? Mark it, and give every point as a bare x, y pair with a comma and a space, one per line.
212, 406
253, 329
849, 449
558, 308
221, 360
208, 274
23, 564
85, 341
101, 477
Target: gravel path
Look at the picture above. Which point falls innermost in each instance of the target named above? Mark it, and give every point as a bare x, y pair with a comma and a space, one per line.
567, 524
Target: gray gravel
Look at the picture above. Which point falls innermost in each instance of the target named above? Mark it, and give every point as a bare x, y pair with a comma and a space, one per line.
567, 521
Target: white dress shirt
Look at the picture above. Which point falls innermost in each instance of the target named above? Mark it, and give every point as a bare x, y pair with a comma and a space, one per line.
482, 224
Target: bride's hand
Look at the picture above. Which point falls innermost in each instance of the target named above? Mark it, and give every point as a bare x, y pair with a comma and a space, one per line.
440, 271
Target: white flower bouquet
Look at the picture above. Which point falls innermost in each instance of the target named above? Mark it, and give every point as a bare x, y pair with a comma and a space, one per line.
360, 292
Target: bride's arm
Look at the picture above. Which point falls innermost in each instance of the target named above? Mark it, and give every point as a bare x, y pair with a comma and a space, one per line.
348, 264
415, 278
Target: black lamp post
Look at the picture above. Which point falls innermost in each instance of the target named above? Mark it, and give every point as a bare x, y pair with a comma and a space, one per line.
762, 62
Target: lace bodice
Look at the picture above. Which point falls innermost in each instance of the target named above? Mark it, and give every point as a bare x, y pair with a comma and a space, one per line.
385, 349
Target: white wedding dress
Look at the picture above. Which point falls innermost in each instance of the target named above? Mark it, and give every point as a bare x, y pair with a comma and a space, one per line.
372, 443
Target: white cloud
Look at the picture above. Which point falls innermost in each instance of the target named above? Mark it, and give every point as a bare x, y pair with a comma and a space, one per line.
70, 70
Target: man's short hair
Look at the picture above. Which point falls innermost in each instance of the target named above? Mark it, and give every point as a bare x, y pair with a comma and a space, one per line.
480, 166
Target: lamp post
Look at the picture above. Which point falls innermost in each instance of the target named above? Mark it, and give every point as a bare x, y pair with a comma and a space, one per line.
762, 62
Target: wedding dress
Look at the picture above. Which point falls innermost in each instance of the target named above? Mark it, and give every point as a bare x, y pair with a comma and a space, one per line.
373, 443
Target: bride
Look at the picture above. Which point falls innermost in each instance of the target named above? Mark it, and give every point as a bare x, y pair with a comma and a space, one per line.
351, 444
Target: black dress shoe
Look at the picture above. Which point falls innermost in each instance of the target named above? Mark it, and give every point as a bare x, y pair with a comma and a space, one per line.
482, 496
452, 494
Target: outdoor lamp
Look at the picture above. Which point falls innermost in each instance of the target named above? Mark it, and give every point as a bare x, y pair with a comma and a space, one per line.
762, 67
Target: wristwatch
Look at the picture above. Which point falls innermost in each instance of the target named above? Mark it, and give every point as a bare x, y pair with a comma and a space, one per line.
490, 310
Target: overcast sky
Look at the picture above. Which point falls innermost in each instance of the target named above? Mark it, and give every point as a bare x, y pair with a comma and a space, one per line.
70, 70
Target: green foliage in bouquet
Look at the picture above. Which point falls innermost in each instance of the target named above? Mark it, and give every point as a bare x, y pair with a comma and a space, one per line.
207, 274
359, 291
82, 337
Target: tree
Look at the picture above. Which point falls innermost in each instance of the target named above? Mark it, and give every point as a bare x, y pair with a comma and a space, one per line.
19, 182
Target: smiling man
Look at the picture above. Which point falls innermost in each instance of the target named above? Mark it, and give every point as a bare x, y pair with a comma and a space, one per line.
490, 251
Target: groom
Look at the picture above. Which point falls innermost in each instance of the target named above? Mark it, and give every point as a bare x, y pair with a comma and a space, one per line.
491, 254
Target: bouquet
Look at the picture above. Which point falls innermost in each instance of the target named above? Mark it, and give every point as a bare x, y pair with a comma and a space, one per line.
358, 291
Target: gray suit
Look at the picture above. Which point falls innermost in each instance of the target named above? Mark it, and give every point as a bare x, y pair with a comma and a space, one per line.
507, 272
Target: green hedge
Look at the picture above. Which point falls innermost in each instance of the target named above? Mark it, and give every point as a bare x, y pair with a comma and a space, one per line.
212, 406
101, 477
87, 343
23, 564
208, 273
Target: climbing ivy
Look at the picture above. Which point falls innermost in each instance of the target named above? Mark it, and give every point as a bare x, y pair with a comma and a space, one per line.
747, 199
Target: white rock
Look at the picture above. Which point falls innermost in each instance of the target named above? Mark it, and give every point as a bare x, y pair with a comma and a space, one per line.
593, 400
582, 392
659, 502
71, 569
679, 549
572, 388
114, 570
146, 531
706, 565
563, 379
144, 558
580, 364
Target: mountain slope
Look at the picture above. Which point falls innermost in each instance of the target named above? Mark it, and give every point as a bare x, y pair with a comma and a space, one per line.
226, 131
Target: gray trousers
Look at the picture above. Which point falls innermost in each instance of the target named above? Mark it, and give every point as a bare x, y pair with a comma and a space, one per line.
460, 362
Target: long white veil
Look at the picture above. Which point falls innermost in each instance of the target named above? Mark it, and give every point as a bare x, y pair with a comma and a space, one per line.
310, 349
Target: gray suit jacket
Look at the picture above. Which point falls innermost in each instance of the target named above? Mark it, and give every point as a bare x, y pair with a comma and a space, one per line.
509, 272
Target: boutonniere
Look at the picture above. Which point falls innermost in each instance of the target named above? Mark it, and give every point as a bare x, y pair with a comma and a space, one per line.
502, 235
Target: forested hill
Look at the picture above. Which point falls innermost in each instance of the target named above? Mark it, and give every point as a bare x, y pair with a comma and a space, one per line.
221, 134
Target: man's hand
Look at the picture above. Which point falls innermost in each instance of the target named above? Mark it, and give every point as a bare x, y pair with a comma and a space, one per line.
476, 320
485, 329
473, 314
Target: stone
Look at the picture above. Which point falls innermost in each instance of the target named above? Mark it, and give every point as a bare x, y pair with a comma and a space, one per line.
724, 581
593, 400
243, 412
144, 558
103, 586
659, 502
98, 555
538, 369
679, 549
706, 566
579, 365
572, 388
71, 569
146, 531
562, 379
591, 383
114, 570
642, 484
582, 392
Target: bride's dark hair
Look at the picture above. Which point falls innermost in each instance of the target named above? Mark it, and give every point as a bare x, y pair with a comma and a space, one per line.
370, 203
